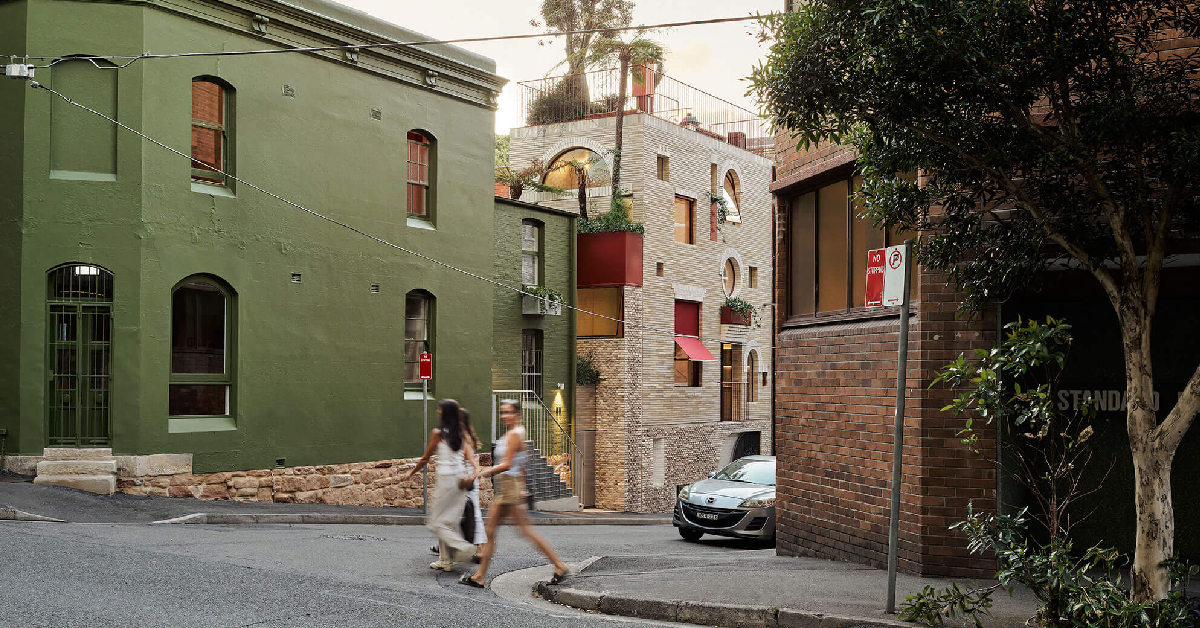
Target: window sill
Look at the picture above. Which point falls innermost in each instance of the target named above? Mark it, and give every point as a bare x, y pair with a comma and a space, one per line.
189, 425
73, 175
854, 314
212, 189
420, 223
417, 395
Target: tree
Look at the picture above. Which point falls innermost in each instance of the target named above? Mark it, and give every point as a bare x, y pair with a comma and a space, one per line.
565, 16
638, 52
1042, 131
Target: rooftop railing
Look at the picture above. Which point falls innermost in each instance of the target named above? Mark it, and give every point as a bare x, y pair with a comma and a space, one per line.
595, 94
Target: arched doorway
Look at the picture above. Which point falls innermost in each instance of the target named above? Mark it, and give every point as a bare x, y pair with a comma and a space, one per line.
79, 301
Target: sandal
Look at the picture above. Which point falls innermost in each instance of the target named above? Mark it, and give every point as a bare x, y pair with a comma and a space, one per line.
434, 549
559, 577
469, 580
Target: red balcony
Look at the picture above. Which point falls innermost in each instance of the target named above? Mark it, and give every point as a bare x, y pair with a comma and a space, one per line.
610, 259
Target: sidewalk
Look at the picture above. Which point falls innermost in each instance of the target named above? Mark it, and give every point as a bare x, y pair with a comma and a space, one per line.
76, 506
755, 589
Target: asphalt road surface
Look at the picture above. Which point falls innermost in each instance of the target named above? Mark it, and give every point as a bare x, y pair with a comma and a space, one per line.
94, 575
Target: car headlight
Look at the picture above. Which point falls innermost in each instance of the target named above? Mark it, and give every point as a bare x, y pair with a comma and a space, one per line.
685, 492
758, 502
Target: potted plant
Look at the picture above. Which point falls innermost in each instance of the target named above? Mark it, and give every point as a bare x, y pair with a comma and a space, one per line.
610, 248
738, 311
540, 300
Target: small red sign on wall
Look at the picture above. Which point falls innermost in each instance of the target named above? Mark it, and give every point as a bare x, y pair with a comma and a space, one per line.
875, 268
426, 365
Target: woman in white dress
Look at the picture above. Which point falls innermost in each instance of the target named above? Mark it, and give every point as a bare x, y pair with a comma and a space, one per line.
456, 460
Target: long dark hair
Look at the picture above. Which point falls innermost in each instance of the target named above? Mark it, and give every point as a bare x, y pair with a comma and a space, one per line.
468, 429
451, 425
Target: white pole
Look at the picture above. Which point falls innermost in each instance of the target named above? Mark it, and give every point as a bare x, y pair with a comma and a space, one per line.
424, 444
898, 435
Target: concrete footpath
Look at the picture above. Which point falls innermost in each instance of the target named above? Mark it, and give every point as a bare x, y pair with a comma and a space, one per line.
25, 501
755, 590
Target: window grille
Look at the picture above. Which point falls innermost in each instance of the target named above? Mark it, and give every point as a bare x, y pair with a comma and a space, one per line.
531, 360
79, 355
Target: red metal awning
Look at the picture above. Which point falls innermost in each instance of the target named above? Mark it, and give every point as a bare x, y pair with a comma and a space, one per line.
694, 348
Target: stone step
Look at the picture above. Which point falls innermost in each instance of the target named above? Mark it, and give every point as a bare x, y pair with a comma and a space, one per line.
77, 467
73, 453
104, 485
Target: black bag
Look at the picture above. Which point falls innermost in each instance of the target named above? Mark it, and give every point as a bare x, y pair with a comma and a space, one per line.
468, 521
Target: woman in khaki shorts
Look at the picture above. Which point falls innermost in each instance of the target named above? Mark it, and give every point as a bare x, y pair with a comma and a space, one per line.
509, 482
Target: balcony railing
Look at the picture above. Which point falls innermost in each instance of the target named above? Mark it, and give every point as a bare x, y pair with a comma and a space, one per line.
595, 94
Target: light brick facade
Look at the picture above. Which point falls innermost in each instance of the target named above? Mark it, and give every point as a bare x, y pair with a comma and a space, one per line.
652, 435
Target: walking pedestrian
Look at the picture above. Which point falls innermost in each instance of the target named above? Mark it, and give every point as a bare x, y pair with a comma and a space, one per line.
509, 500
479, 537
455, 461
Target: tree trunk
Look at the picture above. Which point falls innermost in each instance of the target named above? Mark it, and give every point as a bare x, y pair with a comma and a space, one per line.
623, 92
1155, 535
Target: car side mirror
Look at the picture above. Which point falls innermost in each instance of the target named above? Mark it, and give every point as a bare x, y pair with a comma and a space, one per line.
712, 474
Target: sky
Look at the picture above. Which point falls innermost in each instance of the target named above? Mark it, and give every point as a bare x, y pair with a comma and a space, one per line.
715, 58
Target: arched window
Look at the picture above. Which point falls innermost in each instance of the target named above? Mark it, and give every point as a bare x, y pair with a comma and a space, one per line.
729, 277
531, 252
565, 170
752, 376
203, 324
79, 301
212, 130
421, 166
731, 191
418, 333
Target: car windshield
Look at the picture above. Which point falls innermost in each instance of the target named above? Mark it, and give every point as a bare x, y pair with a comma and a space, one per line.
746, 470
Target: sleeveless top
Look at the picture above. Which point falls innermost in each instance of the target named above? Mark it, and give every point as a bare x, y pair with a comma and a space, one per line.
518, 465
449, 462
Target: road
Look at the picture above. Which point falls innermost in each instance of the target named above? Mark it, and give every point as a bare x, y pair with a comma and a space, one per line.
65, 575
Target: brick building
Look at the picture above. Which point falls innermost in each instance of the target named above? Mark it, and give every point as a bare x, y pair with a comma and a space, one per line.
686, 383
836, 385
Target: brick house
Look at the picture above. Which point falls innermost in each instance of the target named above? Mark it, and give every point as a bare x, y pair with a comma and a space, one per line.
836, 379
685, 383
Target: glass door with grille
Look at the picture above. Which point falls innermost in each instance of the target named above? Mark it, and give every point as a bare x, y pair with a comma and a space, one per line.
79, 356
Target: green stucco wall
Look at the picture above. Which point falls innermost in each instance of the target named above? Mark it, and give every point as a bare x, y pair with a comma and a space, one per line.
12, 106
558, 332
319, 363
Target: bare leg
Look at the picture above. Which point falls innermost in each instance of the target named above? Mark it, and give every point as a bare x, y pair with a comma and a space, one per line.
496, 516
528, 531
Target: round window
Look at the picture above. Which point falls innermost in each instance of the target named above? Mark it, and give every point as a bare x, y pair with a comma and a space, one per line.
729, 276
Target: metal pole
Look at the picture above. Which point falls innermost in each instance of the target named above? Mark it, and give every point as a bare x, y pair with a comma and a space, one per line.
424, 444
898, 434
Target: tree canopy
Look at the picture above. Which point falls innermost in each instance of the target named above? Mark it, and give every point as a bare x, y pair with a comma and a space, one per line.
1041, 132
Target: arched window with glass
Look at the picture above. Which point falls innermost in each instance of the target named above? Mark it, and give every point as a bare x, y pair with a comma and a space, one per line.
752, 376
79, 301
212, 130
421, 170
577, 165
731, 192
418, 333
203, 332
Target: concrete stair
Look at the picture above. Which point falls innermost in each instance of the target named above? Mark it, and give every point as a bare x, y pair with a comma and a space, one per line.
549, 492
92, 470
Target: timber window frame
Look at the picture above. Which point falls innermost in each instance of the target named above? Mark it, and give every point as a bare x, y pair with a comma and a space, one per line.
196, 384
420, 318
212, 131
420, 173
608, 302
533, 264
685, 220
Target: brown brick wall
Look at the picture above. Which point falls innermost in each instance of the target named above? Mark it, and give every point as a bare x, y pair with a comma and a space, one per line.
835, 407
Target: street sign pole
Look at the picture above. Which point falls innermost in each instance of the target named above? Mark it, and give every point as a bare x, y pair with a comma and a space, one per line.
898, 435
425, 371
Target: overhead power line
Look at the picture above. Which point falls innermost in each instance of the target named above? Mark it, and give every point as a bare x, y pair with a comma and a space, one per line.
37, 85
130, 59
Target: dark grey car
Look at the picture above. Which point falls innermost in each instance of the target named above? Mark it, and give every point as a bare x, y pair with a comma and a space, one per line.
737, 501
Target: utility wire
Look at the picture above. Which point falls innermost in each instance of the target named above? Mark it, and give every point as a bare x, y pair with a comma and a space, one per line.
37, 85
237, 53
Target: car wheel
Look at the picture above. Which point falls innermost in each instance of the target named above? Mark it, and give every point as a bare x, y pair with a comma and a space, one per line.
690, 534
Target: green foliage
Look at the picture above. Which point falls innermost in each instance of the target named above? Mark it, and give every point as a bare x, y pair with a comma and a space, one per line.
527, 177
547, 298
502, 150
586, 373
744, 309
569, 16
1040, 129
564, 101
616, 219
1085, 590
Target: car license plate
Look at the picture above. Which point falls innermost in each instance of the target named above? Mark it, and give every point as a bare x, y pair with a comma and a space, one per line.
707, 515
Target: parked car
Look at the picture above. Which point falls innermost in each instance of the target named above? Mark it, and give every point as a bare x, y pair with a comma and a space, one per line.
737, 501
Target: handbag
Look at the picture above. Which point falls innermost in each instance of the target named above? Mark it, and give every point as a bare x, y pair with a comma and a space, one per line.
468, 521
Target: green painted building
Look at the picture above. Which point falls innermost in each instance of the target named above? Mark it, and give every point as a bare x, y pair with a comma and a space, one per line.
153, 304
